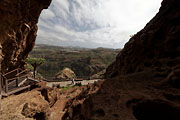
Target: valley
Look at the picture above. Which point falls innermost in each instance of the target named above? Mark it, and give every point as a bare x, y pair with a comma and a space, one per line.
84, 62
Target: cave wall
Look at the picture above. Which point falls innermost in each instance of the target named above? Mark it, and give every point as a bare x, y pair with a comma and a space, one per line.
156, 46
18, 30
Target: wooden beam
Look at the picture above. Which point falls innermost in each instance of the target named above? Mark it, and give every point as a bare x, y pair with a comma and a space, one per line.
0, 90
32, 79
19, 89
17, 78
21, 83
24, 71
6, 86
0, 85
17, 82
11, 71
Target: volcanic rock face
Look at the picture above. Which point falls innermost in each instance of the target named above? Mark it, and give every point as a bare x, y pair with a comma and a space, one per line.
156, 46
137, 96
18, 30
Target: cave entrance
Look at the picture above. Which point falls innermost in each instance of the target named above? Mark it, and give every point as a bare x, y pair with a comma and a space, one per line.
88, 24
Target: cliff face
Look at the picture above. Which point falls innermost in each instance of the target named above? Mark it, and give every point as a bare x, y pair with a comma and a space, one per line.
156, 46
18, 29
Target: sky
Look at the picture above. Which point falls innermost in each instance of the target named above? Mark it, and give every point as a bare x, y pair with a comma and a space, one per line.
94, 23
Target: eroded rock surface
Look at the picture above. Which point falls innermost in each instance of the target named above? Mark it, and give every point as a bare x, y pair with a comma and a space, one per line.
36, 108
137, 96
46, 103
18, 29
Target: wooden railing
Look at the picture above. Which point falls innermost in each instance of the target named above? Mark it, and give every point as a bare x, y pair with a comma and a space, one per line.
18, 74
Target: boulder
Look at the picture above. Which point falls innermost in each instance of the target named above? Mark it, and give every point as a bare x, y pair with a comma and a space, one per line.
36, 108
65, 74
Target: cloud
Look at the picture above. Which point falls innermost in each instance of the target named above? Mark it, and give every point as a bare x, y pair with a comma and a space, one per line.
47, 15
94, 23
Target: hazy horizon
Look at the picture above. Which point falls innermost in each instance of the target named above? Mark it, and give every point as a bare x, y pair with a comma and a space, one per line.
95, 23
41, 44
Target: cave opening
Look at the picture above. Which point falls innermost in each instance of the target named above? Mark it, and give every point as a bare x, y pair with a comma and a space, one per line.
155, 110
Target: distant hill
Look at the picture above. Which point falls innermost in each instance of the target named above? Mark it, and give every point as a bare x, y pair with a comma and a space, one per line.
83, 61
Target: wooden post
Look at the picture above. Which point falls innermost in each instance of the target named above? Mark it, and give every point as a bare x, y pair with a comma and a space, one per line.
17, 78
0, 85
0, 90
6, 86
16, 82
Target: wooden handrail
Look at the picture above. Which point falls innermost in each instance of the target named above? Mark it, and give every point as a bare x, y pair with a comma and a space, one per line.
17, 77
21, 72
16, 74
12, 71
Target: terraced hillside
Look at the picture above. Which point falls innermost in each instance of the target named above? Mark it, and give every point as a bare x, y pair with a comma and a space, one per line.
83, 61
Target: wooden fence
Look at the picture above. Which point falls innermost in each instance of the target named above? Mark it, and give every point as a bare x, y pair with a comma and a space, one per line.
13, 81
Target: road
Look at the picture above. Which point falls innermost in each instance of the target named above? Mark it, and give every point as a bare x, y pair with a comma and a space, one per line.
69, 83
